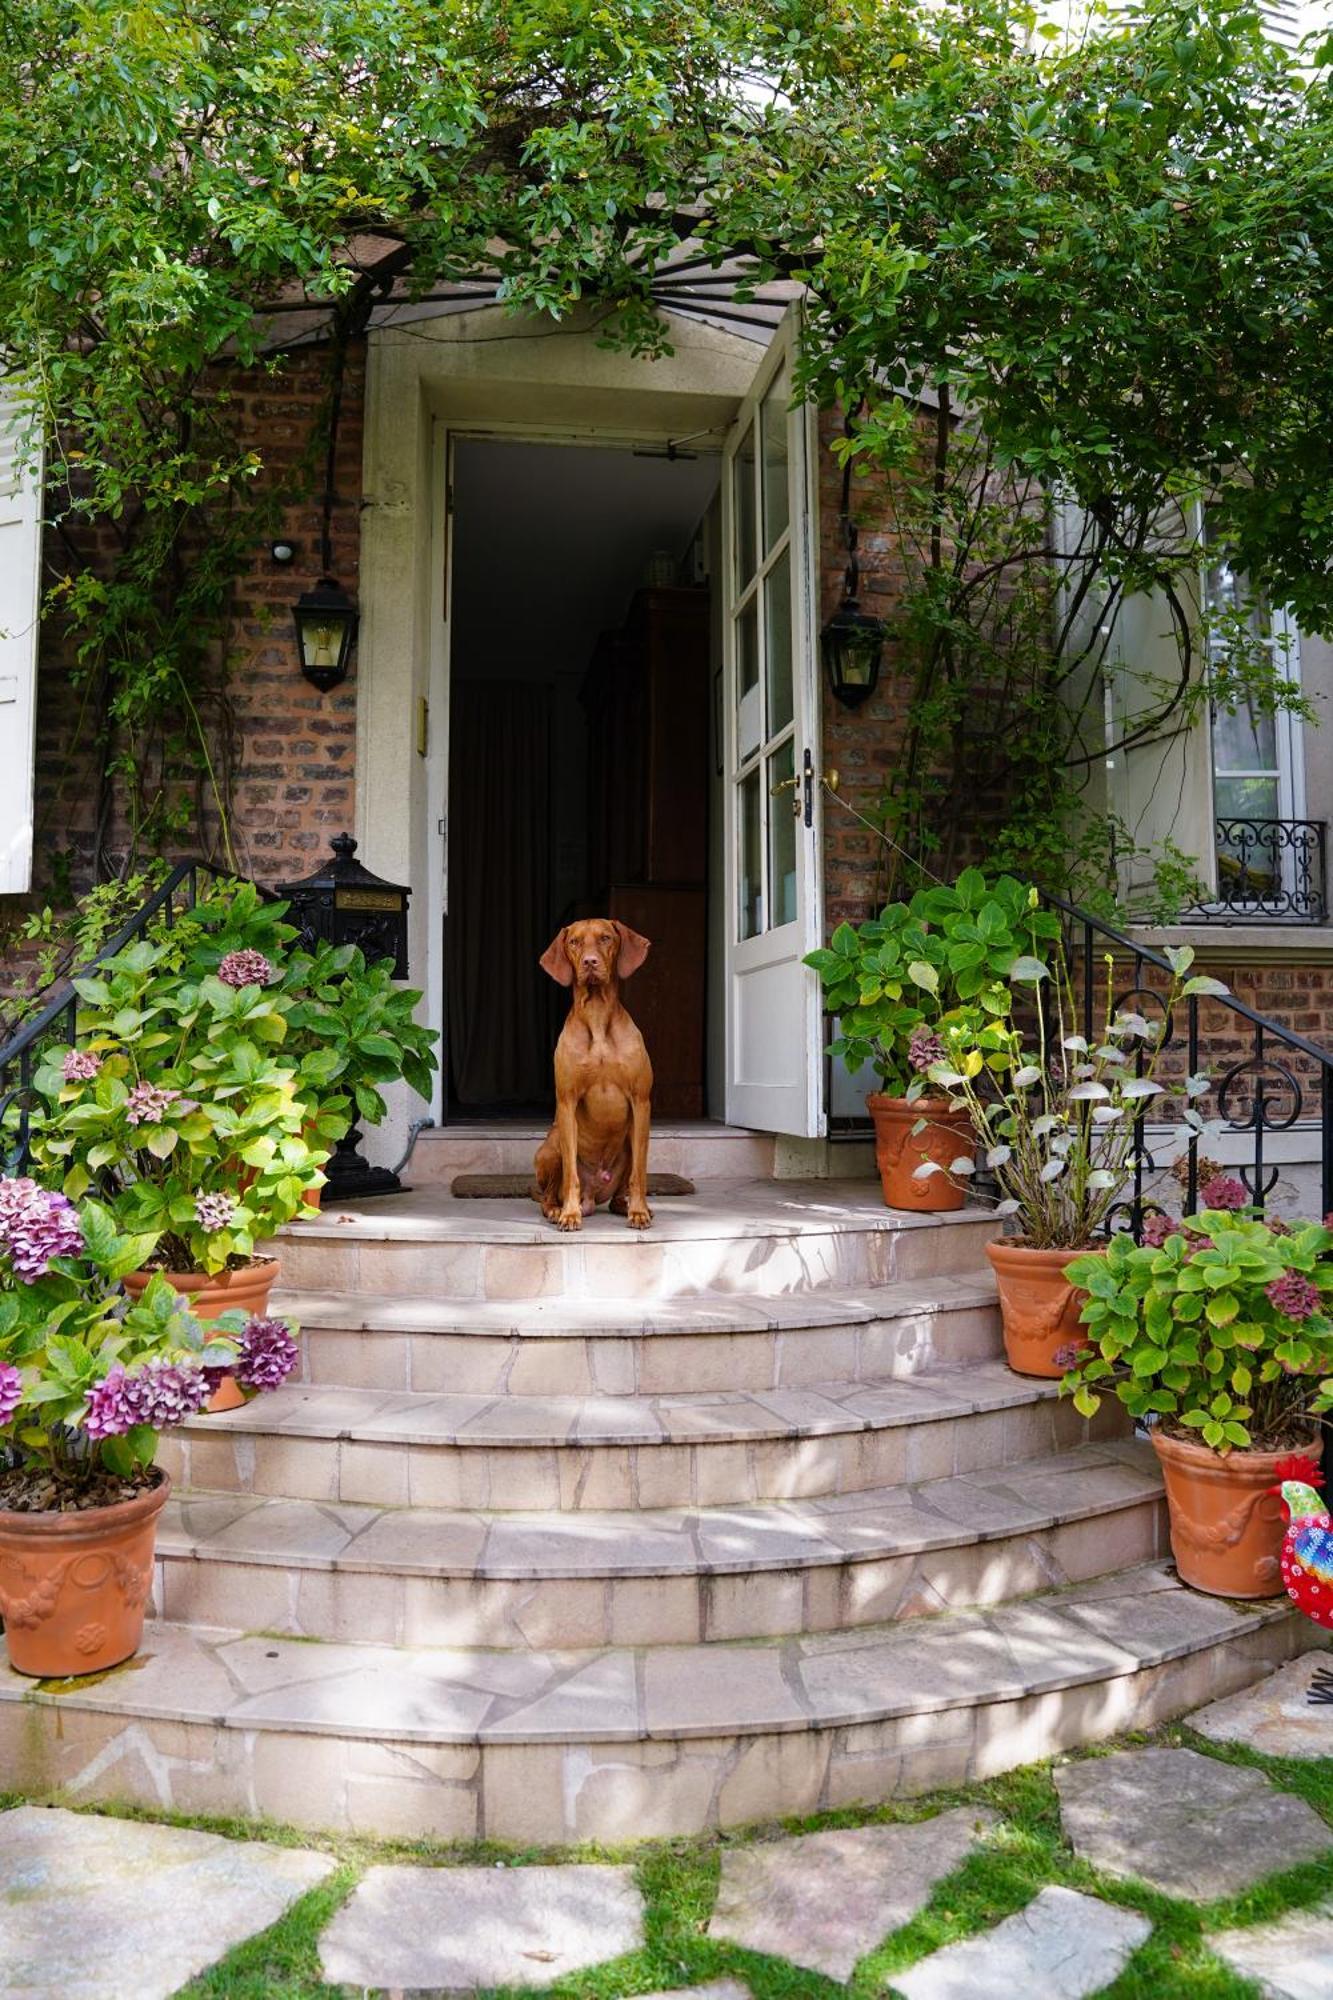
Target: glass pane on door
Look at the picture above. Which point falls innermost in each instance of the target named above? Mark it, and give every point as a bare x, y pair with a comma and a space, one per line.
743, 522
749, 705
782, 803
777, 642
751, 875
773, 430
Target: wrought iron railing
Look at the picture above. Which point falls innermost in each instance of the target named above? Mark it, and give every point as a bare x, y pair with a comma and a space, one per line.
1278, 1080
57, 1021
1271, 869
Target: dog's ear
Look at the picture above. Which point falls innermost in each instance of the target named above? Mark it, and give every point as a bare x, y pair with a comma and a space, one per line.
633, 950
555, 960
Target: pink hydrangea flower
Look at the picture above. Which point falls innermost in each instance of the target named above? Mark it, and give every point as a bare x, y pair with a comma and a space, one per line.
214, 1211
268, 1354
147, 1104
110, 1411
245, 968
1294, 1295
1224, 1191
923, 1050
11, 1391
36, 1227
1157, 1227
80, 1066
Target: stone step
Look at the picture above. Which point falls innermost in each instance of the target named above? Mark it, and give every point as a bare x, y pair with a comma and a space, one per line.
624, 1743
613, 1347
422, 1577
738, 1237
614, 1452
697, 1148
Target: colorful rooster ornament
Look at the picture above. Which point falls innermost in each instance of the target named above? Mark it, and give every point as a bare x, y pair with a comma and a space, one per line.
1307, 1547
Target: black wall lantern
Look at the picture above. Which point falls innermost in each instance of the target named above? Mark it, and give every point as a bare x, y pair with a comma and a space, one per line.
326, 621
852, 642
343, 903
326, 617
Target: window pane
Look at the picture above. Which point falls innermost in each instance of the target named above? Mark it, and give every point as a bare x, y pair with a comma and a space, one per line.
1245, 741
782, 836
773, 425
1245, 798
749, 703
742, 490
751, 858
777, 623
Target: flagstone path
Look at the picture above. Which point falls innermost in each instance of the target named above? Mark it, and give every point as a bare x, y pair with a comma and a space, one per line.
102, 1908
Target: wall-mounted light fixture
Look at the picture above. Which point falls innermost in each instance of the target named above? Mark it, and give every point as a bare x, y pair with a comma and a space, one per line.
326, 617
852, 642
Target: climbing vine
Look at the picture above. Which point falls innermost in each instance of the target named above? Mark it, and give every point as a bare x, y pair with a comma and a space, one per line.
1062, 279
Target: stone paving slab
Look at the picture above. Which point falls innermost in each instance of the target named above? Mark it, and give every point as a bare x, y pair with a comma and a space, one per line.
452, 1930
1185, 1823
1063, 1946
1291, 1959
823, 1900
1275, 1716
99, 1909
721, 1989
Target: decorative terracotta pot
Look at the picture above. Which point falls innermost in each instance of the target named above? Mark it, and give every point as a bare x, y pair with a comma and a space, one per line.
210, 1297
1227, 1525
946, 1136
1039, 1308
73, 1587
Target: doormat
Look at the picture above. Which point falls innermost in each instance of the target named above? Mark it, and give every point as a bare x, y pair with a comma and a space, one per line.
522, 1187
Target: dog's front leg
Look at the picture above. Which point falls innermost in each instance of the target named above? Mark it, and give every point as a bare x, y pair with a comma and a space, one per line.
567, 1126
637, 1210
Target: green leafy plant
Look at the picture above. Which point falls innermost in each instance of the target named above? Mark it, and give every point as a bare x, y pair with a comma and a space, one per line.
937, 964
177, 1107
87, 1379
1220, 1333
1058, 1113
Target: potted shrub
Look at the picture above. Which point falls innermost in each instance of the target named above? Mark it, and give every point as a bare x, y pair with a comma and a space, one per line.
177, 1110
899, 984
1056, 1113
87, 1381
1216, 1333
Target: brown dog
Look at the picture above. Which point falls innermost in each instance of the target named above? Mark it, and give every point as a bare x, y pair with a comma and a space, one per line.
597, 1150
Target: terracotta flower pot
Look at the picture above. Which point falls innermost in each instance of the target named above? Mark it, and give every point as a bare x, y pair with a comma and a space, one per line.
1039, 1308
1227, 1526
946, 1136
73, 1587
209, 1297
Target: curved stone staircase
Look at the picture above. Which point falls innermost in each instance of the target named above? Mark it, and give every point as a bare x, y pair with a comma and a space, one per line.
599, 1537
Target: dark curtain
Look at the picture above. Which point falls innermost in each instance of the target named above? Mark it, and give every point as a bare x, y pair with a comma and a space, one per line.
499, 893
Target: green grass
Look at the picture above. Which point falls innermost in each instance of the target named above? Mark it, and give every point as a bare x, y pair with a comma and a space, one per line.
679, 1878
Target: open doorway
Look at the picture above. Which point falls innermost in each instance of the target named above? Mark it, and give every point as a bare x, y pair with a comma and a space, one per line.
581, 753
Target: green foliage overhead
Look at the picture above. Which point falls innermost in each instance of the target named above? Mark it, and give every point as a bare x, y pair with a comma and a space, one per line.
1103, 261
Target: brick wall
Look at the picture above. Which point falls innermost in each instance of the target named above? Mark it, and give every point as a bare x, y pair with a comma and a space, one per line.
292, 748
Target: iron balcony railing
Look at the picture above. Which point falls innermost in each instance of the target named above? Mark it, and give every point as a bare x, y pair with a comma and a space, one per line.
1278, 1080
1269, 870
58, 1020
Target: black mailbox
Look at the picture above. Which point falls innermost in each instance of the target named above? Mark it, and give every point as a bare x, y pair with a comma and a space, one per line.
343, 903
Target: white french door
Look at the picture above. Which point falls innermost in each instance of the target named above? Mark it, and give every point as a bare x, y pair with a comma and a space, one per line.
771, 757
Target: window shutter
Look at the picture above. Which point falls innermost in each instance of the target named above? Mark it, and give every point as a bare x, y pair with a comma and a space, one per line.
20, 583
1282, 18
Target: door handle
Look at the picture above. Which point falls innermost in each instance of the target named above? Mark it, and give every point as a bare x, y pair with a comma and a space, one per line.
808, 788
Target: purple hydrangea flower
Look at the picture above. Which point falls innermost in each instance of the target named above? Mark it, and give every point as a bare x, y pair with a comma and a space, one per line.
80, 1066
11, 1391
245, 968
214, 1211
1224, 1191
924, 1049
36, 1226
110, 1408
147, 1104
268, 1354
1294, 1295
1157, 1227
